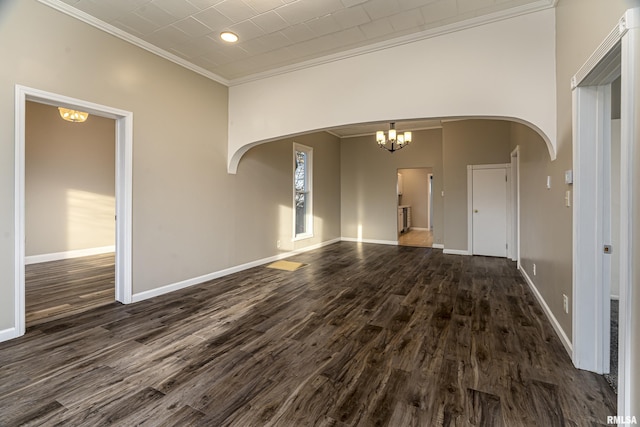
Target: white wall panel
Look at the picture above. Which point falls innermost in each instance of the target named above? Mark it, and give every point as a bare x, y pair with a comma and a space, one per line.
503, 69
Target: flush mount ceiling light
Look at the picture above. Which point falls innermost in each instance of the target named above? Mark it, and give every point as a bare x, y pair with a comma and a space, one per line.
395, 141
73, 115
229, 37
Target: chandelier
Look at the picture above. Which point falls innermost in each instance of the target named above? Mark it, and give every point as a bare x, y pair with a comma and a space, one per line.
73, 115
393, 142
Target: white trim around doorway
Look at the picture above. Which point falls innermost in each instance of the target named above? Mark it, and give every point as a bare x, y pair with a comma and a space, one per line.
617, 56
514, 244
124, 155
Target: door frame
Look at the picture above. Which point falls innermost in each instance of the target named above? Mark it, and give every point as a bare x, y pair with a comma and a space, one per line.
124, 156
430, 200
470, 169
617, 55
514, 243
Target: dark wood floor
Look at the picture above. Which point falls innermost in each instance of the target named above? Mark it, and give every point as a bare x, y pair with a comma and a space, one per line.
366, 335
58, 289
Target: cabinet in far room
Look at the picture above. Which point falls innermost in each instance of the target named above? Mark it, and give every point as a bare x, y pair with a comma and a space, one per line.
404, 218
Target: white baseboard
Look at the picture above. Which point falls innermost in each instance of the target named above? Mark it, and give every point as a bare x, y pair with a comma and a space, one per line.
437, 246
379, 242
568, 346
420, 228
35, 259
8, 334
141, 296
456, 252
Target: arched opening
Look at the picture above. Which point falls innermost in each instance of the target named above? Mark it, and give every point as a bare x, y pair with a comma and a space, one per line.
369, 128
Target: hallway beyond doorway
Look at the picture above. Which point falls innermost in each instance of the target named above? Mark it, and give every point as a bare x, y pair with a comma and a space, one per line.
416, 237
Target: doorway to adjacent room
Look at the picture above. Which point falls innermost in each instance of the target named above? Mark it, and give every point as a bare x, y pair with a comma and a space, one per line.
415, 207
123, 192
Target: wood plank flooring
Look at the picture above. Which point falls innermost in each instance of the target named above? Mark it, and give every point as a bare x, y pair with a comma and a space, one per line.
57, 289
363, 335
417, 238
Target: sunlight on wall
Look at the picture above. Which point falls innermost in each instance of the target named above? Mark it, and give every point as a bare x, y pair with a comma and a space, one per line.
318, 228
90, 218
359, 235
285, 228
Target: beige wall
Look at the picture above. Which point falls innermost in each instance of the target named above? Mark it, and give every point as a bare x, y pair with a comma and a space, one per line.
545, 227
368, 178
69, 182
467, 142
368, 183
415, 194
264, 206
190, 217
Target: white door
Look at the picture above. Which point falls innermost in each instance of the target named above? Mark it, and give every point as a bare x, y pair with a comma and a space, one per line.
489, 212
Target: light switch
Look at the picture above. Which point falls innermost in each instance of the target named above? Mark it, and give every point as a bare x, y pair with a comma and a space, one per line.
568, 177
548, 182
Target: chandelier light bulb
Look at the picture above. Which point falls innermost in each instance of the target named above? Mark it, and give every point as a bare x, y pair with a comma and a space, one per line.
396, 141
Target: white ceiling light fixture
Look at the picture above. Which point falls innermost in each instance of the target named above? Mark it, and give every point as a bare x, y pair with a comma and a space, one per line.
73, 115
229, 37
393, 142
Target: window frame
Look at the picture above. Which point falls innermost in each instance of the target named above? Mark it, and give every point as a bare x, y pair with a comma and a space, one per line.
308, 192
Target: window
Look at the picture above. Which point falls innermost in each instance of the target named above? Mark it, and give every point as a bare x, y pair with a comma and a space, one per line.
302, 192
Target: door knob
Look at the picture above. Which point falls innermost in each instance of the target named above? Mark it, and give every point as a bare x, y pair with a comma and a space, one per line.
475, 211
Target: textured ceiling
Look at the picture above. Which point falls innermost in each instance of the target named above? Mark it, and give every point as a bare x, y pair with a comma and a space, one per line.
277, 33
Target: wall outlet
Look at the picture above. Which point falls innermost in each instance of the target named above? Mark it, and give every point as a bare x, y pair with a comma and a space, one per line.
278, 244
565, 303
534, 269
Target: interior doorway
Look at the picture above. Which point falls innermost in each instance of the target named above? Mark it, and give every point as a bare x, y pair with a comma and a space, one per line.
69, 213
415, 207
123, 194
618, 57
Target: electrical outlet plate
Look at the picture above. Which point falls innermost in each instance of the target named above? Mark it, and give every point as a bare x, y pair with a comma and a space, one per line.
565, 303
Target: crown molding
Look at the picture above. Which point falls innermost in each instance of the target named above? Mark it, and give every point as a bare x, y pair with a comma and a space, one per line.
114, 31
399, 41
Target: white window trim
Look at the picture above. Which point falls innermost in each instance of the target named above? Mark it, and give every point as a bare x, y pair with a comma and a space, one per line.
309, 228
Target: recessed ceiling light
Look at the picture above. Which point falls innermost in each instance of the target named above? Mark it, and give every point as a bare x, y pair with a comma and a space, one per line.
229, 37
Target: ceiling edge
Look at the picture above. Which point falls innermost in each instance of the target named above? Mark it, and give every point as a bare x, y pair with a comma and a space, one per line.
430, 33
114, 31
